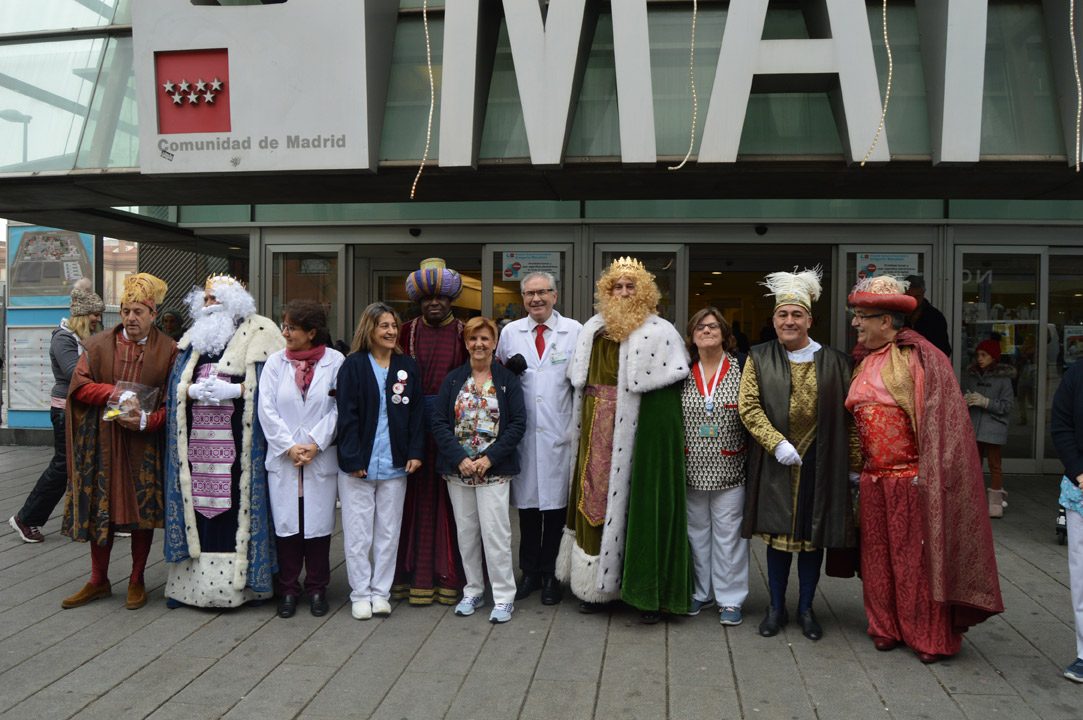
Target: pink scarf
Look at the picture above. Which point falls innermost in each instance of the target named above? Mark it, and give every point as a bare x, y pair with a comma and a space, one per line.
304, 365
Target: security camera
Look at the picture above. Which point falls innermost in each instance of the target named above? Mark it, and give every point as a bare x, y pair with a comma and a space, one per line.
415, 231
761, 229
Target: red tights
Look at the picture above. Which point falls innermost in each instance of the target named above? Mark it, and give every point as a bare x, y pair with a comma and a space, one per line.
99, 557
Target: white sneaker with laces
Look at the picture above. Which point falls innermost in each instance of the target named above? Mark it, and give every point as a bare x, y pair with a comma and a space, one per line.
501, 613
468, 605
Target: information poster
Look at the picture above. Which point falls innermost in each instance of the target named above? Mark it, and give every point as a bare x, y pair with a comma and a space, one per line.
1073, 344
875, 264
44, 263
519, 264
30, 371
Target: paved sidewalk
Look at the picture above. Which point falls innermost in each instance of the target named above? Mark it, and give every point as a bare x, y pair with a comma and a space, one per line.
103, 661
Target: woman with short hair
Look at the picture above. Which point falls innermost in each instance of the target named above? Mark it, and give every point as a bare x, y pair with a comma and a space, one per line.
381, 440
478, 420
299, 416
716, 444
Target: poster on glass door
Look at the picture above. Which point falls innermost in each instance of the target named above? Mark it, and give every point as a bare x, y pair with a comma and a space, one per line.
518, 265
875, 264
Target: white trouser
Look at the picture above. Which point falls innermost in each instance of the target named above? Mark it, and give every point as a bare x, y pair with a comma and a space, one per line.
482, 521
1075, 573
371, 519
719, 553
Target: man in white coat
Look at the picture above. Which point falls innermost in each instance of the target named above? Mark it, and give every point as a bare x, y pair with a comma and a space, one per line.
545, 339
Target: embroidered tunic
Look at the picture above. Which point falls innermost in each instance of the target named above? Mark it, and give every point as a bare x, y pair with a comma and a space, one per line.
716, 443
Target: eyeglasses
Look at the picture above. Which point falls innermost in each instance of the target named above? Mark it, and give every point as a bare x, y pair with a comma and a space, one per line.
290, 328
529, 294
853, 313
708, 326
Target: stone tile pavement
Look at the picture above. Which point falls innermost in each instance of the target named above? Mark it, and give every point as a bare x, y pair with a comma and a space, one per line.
103, 661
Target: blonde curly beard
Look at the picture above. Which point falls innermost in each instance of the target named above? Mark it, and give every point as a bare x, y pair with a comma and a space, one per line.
623, 315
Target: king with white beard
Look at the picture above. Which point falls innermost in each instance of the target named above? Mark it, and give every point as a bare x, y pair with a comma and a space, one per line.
218, 532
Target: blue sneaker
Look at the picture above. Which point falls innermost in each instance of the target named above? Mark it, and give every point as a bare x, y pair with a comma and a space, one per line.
501, 613
698, 605
1074, 672
729, 615
468, 605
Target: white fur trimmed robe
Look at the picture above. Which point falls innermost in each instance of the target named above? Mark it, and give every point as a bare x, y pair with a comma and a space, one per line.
220, 579
653, 357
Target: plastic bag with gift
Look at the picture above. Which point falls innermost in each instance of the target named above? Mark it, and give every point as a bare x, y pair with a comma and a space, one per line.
129, 399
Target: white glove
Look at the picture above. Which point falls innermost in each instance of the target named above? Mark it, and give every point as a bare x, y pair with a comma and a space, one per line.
218, 390
855, 478
974, 399
197, 391
787, 454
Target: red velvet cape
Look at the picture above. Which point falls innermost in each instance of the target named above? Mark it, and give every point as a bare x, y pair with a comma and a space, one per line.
958, 537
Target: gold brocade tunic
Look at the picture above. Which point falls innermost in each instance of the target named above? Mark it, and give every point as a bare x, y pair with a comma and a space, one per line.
803, 417
604, 366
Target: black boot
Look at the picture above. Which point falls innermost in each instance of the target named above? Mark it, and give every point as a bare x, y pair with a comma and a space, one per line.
774, 621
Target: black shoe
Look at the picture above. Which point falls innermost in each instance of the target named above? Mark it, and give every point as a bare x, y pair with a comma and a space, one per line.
551, 590
528, 583
809, 627
319, 604
287, 606
774, 621
589, 608
649, 617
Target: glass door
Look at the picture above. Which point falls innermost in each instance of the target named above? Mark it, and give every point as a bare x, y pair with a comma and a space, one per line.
999, 299
505, 266
902, 261
1062, 341
668, 264
316, 273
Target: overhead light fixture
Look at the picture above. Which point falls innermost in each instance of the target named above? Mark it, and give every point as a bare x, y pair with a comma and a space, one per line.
716, 272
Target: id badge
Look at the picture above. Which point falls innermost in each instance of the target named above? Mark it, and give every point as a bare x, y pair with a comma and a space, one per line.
486, 427
558, 356
708, 431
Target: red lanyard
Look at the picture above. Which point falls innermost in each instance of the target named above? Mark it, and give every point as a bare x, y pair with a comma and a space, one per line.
708, 392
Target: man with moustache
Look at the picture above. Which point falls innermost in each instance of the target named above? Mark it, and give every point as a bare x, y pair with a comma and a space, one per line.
115, 466
626, 535
928, 568
428, 566
546, 340
798, 496
218, 539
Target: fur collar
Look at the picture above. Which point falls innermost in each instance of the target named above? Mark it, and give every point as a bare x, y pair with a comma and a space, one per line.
653, 357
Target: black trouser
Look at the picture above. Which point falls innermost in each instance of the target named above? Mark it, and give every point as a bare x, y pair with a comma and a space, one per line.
53, 483
539, 539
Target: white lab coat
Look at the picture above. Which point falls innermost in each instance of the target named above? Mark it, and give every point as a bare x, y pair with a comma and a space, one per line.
545, 452
289, 421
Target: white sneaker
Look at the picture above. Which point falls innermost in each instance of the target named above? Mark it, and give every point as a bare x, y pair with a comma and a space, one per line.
381, 607
361, 610
501, 613
468, 605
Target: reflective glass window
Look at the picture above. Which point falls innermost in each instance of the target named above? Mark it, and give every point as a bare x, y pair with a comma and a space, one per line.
45, 93
112, 133
31, 15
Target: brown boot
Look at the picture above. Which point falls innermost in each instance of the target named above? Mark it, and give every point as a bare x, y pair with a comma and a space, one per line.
89, 592
996, 503
137, 596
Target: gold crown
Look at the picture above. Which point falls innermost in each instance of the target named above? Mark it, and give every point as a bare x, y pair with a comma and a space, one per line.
628, 263
213, 280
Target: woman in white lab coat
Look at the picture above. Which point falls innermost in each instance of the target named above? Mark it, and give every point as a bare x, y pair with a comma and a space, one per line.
298, 414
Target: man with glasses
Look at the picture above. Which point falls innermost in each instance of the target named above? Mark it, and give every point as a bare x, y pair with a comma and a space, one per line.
545, 339
926, 544
797, 498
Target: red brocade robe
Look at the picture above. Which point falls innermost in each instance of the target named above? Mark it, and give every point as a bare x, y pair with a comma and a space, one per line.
959, 563
428, 566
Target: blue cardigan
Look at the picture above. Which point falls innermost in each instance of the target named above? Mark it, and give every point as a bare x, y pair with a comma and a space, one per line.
504, 452
358, 401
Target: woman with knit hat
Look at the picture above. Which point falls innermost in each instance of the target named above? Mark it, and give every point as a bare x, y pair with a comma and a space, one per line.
64, 351
987, 389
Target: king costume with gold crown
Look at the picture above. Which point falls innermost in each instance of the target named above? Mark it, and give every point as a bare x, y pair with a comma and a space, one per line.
626, 535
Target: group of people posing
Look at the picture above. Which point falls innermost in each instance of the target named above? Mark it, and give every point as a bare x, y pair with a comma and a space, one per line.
640, 462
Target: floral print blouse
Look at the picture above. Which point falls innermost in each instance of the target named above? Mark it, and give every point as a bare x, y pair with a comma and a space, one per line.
477, 417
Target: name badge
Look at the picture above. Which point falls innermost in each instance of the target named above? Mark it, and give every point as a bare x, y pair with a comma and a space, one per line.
558, 356
486, 427
708, 431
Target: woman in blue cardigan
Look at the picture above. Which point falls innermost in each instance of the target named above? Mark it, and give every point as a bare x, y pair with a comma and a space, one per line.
478, 421
380, 442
